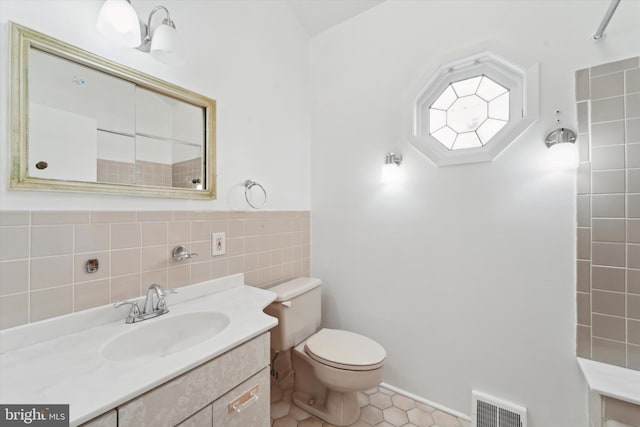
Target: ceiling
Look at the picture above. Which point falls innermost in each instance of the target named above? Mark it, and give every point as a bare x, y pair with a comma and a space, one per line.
319, 15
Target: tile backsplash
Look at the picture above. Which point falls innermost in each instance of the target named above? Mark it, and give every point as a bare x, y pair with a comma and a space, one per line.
43, 255
608, 213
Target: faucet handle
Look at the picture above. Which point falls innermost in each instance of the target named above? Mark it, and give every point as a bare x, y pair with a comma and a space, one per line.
133, 313
134, 305
162, 303
181, 253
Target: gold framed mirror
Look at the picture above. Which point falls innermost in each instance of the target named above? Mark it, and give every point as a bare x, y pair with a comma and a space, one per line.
83, 123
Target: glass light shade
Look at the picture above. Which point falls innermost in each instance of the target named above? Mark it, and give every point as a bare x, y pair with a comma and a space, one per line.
118, 21
390, 173
564, 155
166, 45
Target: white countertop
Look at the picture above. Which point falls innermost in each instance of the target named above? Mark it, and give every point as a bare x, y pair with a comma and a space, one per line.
613, 381
58, 361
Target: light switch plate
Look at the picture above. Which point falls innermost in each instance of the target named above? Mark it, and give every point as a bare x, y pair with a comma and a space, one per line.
218, 244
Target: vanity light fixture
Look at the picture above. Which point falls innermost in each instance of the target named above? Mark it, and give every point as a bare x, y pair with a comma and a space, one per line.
561, 143
164, 44
120, 22
391, 168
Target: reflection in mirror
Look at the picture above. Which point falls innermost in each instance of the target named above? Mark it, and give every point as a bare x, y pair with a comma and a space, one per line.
169, 141
72, 109
89, 126
94, 125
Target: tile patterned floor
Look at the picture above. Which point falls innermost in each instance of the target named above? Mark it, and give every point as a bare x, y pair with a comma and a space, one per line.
380, 407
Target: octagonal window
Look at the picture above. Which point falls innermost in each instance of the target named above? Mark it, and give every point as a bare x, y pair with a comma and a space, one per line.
470, 109
469, 112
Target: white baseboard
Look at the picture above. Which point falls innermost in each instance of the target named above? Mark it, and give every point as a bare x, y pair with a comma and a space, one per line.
426, 402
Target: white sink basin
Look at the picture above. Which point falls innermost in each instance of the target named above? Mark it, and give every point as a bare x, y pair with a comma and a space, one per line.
162, 336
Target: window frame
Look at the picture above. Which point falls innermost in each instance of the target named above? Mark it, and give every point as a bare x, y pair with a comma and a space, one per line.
523, 106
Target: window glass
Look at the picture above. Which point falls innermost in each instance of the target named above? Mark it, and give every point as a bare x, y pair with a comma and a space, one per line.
469, 112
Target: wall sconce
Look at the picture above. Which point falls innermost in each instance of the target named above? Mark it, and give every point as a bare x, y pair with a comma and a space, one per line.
120, 22
391, 168
562, 147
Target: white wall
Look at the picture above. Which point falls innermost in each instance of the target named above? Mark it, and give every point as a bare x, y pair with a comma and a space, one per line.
466, 273
251, 56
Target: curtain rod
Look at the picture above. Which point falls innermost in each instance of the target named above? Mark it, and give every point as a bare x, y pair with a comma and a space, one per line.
605, 21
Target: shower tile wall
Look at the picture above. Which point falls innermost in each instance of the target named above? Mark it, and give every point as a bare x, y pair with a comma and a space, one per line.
183, 173
43, 255
152, 173
116, 172
179, 174
608, 213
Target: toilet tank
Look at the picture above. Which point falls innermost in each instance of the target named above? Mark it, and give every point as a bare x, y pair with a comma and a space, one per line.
297, 307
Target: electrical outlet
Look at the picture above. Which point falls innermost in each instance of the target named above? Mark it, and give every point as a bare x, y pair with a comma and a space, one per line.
218, 244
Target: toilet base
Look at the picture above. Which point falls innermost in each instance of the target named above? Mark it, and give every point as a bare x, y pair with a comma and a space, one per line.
339, 408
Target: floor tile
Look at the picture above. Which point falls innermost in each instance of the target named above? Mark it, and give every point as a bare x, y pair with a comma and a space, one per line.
380, 407
395, 416
310, 422
420, 418
298, 413
425, 407
403, 402
386, 391
280, 409
443, 419
371, 415
285, 422
379, 400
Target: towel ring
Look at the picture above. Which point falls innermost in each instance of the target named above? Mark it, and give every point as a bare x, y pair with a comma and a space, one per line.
248, 185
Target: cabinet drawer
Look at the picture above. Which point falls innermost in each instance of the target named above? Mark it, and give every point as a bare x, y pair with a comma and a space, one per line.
246, 405
176, 400
202, 418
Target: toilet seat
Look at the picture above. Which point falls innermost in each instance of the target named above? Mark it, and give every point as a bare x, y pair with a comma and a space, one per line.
345, 350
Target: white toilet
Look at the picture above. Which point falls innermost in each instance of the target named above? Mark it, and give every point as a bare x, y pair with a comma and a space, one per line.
330, 365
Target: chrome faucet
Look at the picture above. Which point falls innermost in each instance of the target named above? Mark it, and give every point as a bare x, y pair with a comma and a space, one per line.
161, 305
149, 310
180, 253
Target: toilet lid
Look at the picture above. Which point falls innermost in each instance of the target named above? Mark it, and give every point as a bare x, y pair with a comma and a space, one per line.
345, 350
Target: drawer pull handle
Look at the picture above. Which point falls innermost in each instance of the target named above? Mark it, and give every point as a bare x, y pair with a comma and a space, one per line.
242, 402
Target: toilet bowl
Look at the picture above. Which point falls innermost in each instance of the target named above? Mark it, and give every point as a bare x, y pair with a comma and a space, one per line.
330, 365
345, 361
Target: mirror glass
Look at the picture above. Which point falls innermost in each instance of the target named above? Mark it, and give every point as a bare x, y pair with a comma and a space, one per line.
95, 128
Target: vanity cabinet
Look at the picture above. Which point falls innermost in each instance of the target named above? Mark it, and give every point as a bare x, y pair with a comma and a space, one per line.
231, 390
